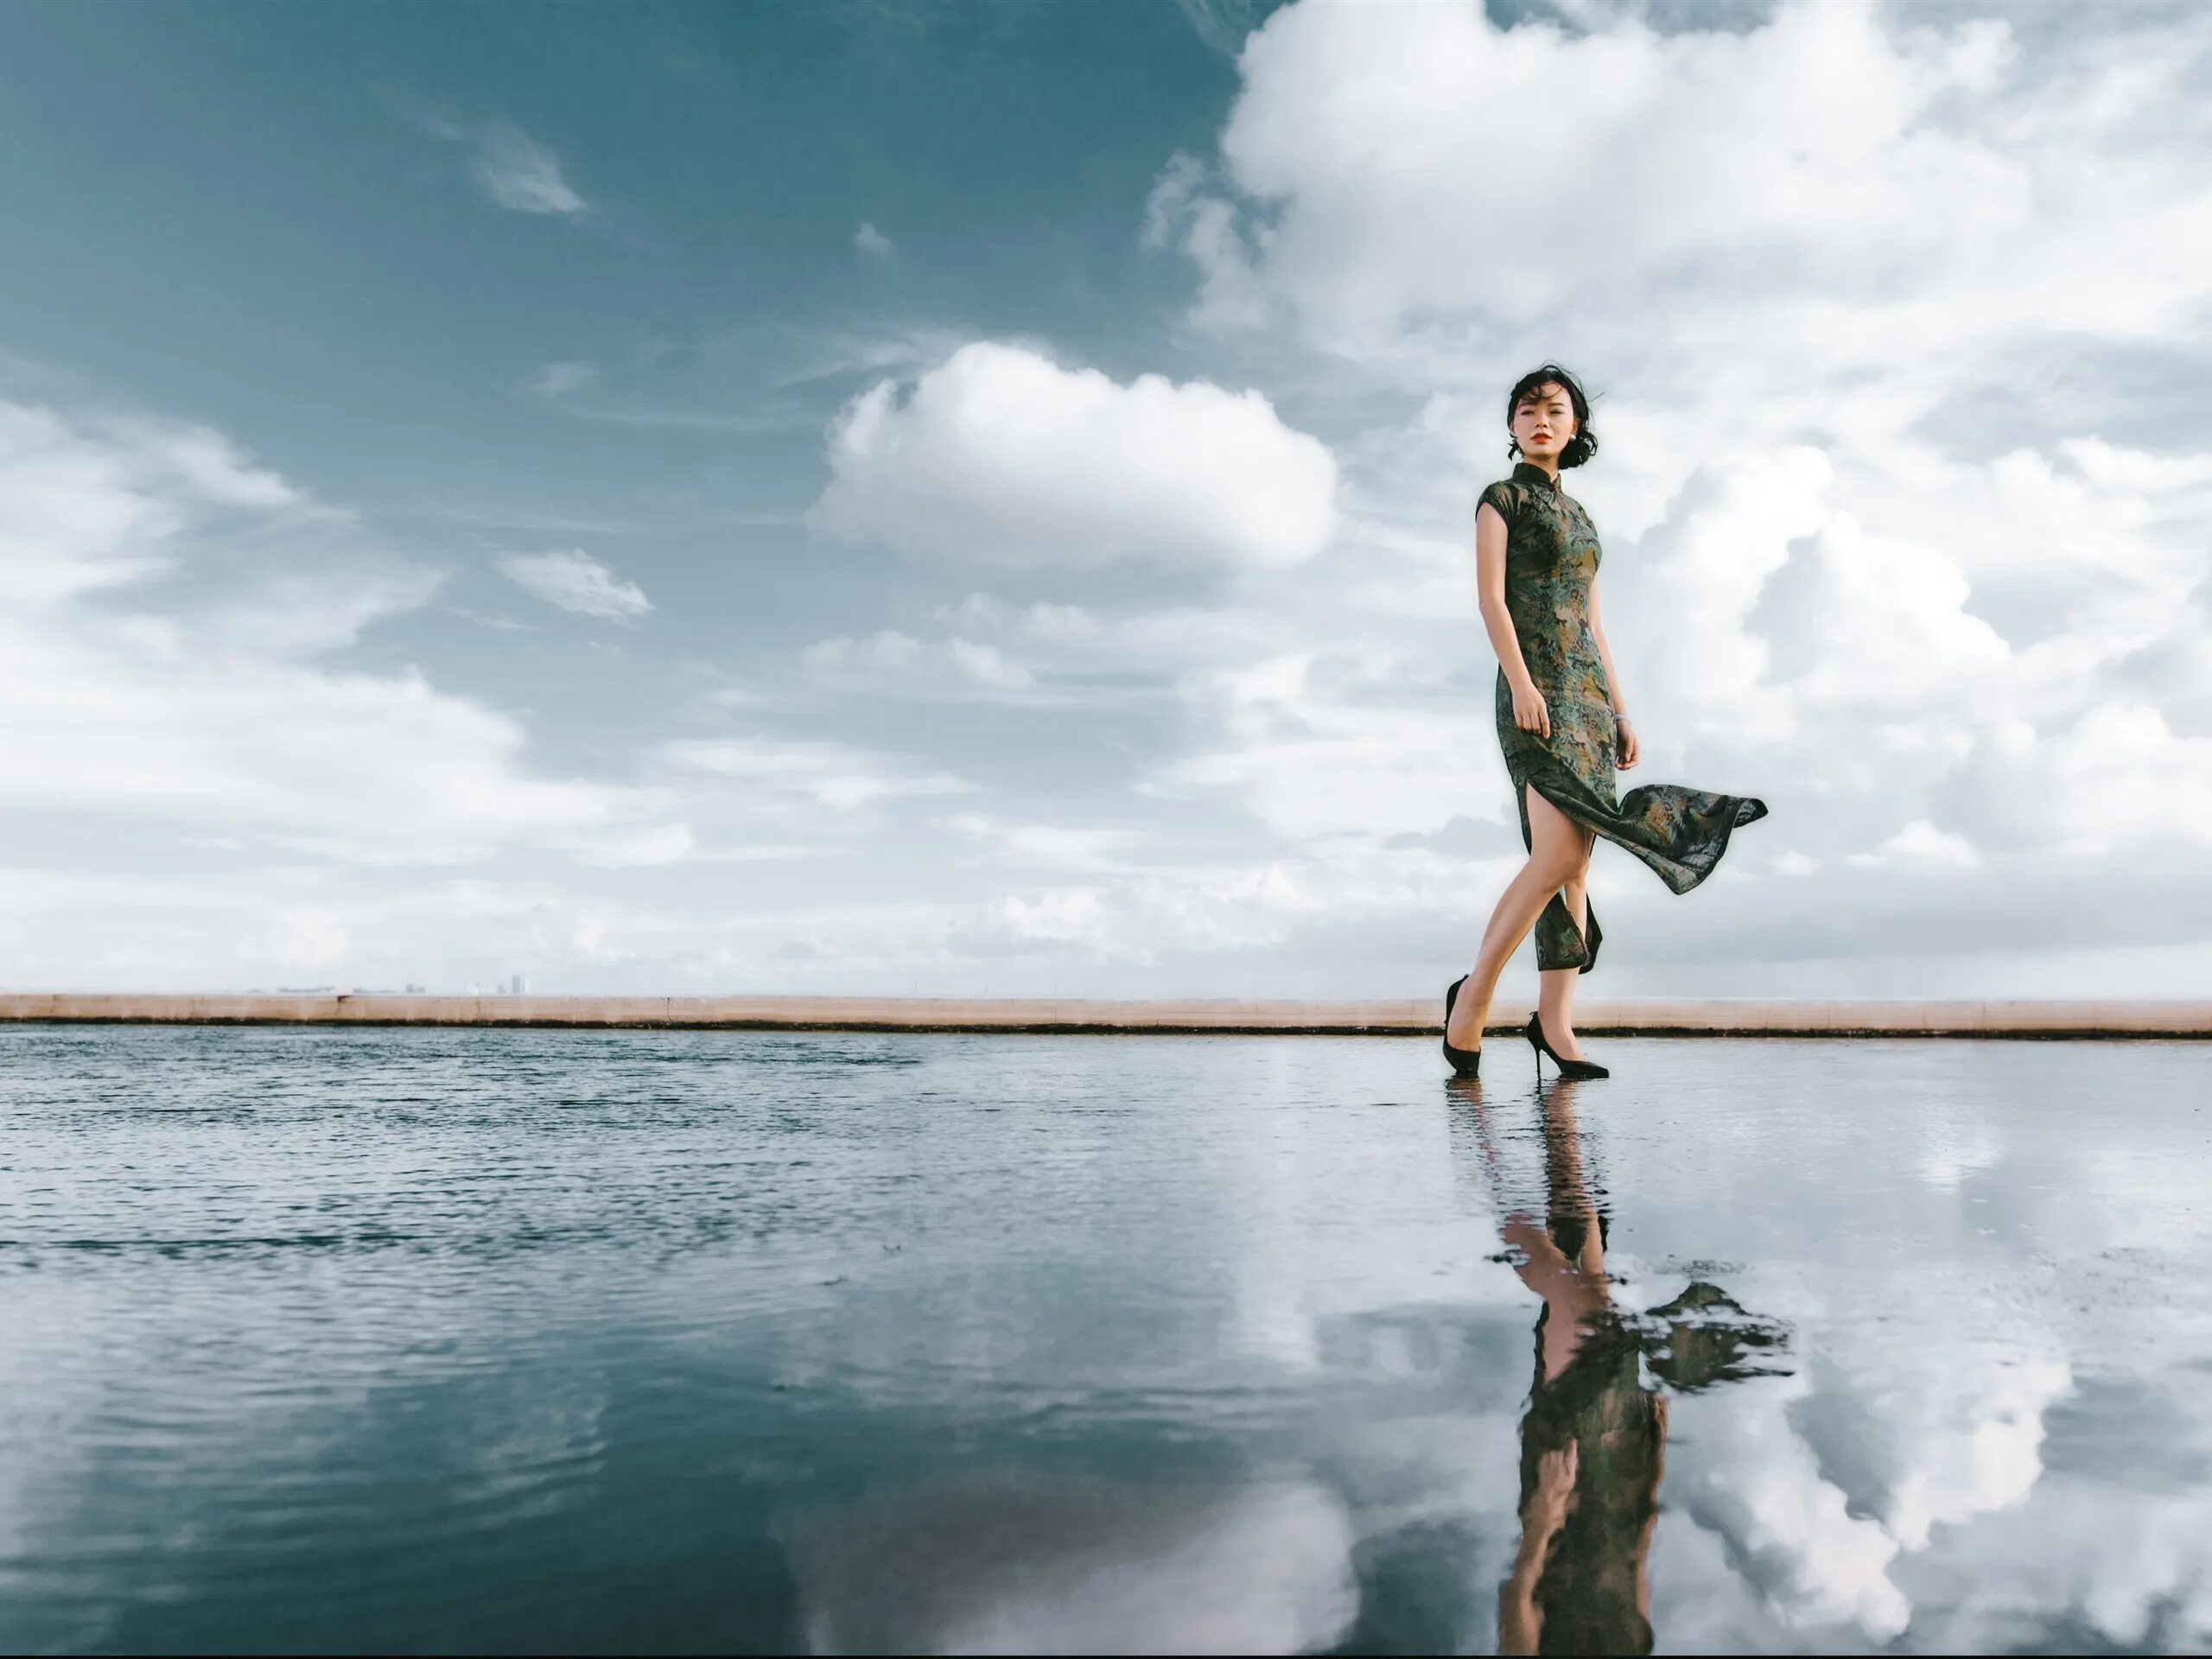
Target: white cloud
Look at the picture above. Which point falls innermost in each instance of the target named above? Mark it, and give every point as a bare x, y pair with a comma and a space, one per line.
201, 461
1320, 744
1392, 164
1759, 1485
1045, 846
1973, 1442
1165, 642
512, 168
1058, 625
834, 775
869, 240
1221, 24
558, 379
654, 843
519, 173
213, 714
1231, 296
888, 660
97, 502
576, 581
1184, 912
297, 613
1000, 454
1919, 846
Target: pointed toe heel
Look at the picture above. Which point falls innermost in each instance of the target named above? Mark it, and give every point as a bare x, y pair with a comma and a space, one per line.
1567, 1068
1467, 1062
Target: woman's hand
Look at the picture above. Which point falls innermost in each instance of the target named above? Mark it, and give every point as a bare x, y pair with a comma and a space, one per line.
1626, 751
1530, 712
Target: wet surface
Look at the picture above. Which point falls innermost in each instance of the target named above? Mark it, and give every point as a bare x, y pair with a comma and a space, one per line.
316, 1339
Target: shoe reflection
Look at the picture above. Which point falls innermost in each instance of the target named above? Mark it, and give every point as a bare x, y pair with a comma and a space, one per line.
1593, 1436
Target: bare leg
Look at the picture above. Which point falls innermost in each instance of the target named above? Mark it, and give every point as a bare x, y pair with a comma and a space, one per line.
1559, 851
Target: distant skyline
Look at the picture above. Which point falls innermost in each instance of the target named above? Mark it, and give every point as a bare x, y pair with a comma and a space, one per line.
977, 498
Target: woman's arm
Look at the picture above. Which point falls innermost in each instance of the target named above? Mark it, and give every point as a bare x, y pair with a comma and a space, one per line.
1490, 583
1520, 1620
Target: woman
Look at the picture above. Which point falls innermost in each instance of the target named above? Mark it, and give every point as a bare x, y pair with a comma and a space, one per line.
1564, 727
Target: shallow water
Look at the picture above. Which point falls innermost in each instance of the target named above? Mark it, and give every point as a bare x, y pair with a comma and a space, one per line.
325, 1339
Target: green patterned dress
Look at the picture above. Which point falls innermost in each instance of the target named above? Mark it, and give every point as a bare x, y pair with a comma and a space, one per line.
1551, 559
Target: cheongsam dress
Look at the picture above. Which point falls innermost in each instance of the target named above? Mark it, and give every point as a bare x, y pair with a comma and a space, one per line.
1552, 557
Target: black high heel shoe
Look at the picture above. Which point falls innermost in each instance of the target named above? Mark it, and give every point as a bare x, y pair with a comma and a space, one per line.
1467, 1062
1567, 1068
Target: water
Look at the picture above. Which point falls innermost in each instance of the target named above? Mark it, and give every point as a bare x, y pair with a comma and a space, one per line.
320, 1339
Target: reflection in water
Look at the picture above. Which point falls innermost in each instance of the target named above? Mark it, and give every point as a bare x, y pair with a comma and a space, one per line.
484, 1341
1006, 1560
1593, 1437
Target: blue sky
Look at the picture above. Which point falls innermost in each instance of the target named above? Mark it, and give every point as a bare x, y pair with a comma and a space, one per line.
976, 498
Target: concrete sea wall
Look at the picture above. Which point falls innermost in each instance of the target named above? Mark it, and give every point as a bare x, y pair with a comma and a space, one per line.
1722, 1017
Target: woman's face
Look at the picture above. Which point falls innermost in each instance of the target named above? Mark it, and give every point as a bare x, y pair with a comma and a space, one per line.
1544, 423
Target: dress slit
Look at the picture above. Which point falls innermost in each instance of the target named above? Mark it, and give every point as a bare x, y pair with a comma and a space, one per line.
1559, 944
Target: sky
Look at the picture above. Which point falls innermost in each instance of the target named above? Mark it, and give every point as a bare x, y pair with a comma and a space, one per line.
977, 500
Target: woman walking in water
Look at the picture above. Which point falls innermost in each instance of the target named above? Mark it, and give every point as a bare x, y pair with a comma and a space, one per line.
1563, 725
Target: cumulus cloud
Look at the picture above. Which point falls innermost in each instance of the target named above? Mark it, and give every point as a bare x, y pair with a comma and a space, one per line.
576, 581
1895, 162
999, 454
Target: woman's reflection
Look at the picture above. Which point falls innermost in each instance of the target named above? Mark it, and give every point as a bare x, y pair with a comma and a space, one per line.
1594, 1437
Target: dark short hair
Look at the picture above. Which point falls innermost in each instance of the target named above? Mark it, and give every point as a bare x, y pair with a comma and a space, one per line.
1584, 443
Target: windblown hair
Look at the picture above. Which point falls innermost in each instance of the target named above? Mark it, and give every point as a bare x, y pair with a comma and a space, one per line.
1584, 443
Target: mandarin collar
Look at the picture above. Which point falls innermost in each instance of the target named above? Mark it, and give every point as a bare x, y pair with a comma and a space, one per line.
1527, 471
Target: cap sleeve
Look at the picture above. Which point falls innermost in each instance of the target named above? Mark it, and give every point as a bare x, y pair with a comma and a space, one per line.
1502, 497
